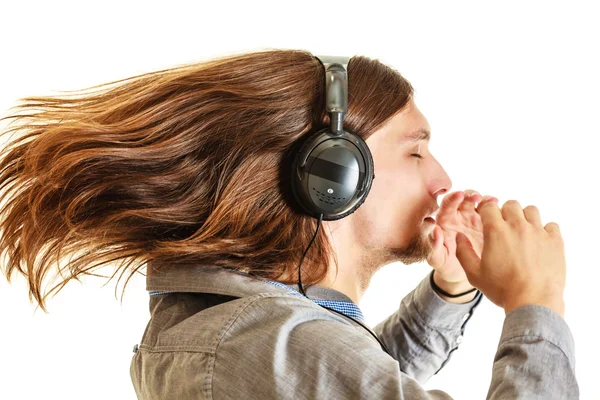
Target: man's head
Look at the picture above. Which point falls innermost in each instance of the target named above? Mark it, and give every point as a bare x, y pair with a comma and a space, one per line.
389, 226
207, 158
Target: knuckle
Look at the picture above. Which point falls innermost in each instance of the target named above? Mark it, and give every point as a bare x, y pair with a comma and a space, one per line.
521, 225
493, 229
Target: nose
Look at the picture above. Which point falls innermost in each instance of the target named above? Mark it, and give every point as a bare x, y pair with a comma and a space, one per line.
443, 183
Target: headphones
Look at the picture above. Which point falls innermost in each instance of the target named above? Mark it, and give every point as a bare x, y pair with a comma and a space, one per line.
332, 172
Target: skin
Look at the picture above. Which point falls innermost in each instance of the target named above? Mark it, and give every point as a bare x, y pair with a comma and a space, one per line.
389, 226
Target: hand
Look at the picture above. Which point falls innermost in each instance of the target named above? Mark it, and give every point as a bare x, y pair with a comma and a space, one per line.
457, 214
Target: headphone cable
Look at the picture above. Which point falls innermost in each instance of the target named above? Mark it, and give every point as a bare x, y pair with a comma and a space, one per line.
331, 309
304, 255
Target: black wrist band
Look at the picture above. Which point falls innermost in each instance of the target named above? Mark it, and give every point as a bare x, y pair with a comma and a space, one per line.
439, 289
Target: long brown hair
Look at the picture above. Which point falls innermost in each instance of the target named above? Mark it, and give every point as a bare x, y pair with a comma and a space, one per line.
182, 165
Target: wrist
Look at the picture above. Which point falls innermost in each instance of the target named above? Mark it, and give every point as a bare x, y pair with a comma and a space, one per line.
556, 304
454, 288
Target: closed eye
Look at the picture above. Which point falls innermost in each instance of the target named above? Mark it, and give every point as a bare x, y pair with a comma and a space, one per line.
417, 155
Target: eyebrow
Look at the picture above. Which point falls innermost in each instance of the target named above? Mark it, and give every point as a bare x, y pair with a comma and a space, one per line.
421, 134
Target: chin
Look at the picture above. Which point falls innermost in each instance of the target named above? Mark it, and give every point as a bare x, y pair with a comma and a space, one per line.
427, 226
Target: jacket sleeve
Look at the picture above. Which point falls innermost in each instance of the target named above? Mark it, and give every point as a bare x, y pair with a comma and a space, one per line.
535, 356
425, 330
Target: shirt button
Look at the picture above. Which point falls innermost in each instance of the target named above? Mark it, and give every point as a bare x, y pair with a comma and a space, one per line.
459, 339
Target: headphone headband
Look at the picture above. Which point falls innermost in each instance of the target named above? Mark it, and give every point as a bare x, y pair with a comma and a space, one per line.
336, 87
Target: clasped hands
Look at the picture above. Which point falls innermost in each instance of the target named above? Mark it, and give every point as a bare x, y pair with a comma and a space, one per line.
457, 213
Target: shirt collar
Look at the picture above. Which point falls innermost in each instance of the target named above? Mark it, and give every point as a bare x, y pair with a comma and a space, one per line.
216, 279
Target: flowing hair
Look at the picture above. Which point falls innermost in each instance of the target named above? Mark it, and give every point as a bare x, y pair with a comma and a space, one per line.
186, 165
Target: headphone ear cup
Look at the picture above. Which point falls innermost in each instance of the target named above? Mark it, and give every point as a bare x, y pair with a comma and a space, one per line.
297, 184
305, 150
368, 178
352, 153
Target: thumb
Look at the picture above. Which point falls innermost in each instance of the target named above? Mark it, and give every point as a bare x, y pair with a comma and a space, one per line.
466, 254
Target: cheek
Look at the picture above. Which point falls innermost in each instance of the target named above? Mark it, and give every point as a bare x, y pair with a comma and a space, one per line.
390, 198
390, 186
380, 209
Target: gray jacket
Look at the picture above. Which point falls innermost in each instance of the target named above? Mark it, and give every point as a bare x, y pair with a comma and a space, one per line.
217, 334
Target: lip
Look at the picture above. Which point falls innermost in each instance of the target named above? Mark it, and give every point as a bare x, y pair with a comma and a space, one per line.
434, 211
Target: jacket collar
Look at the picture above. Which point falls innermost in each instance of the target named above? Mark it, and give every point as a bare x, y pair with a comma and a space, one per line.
215, 279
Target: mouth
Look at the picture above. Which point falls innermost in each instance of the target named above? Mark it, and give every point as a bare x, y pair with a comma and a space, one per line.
430, 218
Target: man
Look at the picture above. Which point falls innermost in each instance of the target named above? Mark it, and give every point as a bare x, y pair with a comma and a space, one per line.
217, 333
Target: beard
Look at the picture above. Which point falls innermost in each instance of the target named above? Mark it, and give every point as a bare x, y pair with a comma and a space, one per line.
418, 249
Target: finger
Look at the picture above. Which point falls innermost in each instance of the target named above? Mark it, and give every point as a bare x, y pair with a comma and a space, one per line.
513, 212
451, 202
471, 192
486, 198
471, 198
489, 198
532, 214
491, 216
467, 257
436, 257
438, 237
553, 229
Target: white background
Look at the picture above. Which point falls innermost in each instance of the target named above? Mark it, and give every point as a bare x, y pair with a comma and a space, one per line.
511, 92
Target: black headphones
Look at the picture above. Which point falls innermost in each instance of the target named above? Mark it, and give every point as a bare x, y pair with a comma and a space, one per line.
332, 172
